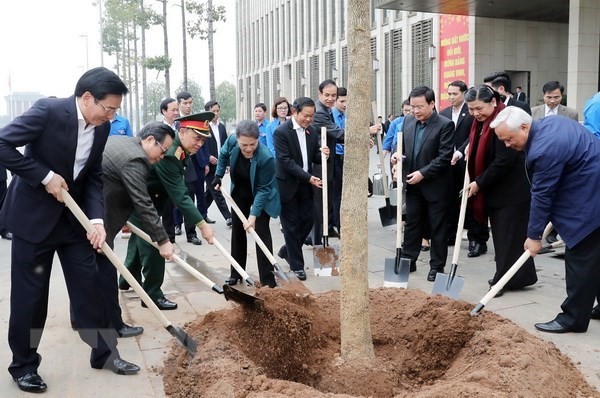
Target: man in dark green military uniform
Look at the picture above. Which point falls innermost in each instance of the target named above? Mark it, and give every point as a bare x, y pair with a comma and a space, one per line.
166, 181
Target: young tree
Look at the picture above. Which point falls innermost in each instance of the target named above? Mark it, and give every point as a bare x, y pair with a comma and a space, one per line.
225, 92
156, 93
202, 26
357, 341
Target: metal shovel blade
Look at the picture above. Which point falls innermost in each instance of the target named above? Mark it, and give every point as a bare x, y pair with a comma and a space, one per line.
326, 260
449, 285
240, 297
396, 272
183, 338
387, 214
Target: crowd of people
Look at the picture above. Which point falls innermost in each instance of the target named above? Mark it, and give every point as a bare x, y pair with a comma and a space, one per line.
526, 167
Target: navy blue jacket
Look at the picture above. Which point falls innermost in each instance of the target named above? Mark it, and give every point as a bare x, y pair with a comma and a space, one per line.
563, 159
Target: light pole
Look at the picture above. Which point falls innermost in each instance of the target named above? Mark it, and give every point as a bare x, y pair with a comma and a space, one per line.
87, 54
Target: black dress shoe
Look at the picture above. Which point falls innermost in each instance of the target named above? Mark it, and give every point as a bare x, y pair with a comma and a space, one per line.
7, 235
282, 252
209, 221
124, 285
425, 248
120, 367
130, 331
301, 275
194, 241
228, 222
177, 230
595, 313
432, 274
477, 250
163, 303
31, 382
333, 233
491, 282
231, 281
551, 239
552, 327
308, 241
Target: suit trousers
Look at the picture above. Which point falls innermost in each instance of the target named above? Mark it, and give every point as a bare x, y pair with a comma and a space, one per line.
582, 275
420, 211
212, 194
30, 284
239, 242
144, 260
297, 219
172, 217
477, 231
3, 190
338, 177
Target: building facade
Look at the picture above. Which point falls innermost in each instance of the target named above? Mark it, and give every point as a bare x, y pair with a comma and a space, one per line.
287, 47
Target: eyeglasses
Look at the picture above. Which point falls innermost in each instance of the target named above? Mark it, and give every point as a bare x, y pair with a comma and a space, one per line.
107, 109
282, 108
164, 151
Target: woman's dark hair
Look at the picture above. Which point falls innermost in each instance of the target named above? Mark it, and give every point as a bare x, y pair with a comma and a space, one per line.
158, 130
483, 93
247, 128
100, 82
303, 102
325, 83
279, 101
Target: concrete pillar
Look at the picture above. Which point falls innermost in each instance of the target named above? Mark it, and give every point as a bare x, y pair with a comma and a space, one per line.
584, 45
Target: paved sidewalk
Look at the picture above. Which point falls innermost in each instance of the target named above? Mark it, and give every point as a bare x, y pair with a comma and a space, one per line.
65, 365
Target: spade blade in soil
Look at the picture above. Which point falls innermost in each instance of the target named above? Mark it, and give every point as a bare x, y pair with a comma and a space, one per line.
240, 297
449, 285
387, 213
184, 339
396, 272
326, 260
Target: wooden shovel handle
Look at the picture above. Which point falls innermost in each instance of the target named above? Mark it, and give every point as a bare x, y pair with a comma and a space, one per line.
324, 182
110, 254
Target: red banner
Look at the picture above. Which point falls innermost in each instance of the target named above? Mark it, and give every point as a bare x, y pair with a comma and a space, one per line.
454, 53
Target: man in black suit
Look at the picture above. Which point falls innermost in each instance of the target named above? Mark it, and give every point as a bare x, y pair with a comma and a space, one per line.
216, 140
42, 225
500, 81
4, 233
520, 95
459, 114
297, 148
428, 144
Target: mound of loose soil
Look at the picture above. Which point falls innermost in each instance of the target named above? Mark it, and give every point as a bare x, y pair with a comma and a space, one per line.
425, 346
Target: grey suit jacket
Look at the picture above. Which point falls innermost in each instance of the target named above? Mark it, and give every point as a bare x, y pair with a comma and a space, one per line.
126, 170
539, 112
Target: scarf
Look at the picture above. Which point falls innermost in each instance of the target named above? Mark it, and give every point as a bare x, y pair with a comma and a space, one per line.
478, 144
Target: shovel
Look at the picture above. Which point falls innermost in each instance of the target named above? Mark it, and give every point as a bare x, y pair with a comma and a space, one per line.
326, 260
449, 284
230, 292
194, 272
387, 214
182, 337
284, 277
397, 269
507, 276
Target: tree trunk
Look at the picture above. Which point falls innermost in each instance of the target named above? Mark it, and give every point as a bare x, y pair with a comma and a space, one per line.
357, 342
185, 65
136, 80
166, 44
144, 80
211, 54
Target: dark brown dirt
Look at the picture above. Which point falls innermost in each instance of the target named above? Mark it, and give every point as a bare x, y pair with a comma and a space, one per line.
425, 346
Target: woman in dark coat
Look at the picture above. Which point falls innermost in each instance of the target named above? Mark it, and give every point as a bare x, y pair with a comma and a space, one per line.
499, 188
254, 190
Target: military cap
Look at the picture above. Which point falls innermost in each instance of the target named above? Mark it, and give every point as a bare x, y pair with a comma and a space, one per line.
199, 122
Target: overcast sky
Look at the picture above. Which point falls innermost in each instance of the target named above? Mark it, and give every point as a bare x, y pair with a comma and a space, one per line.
44, 47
